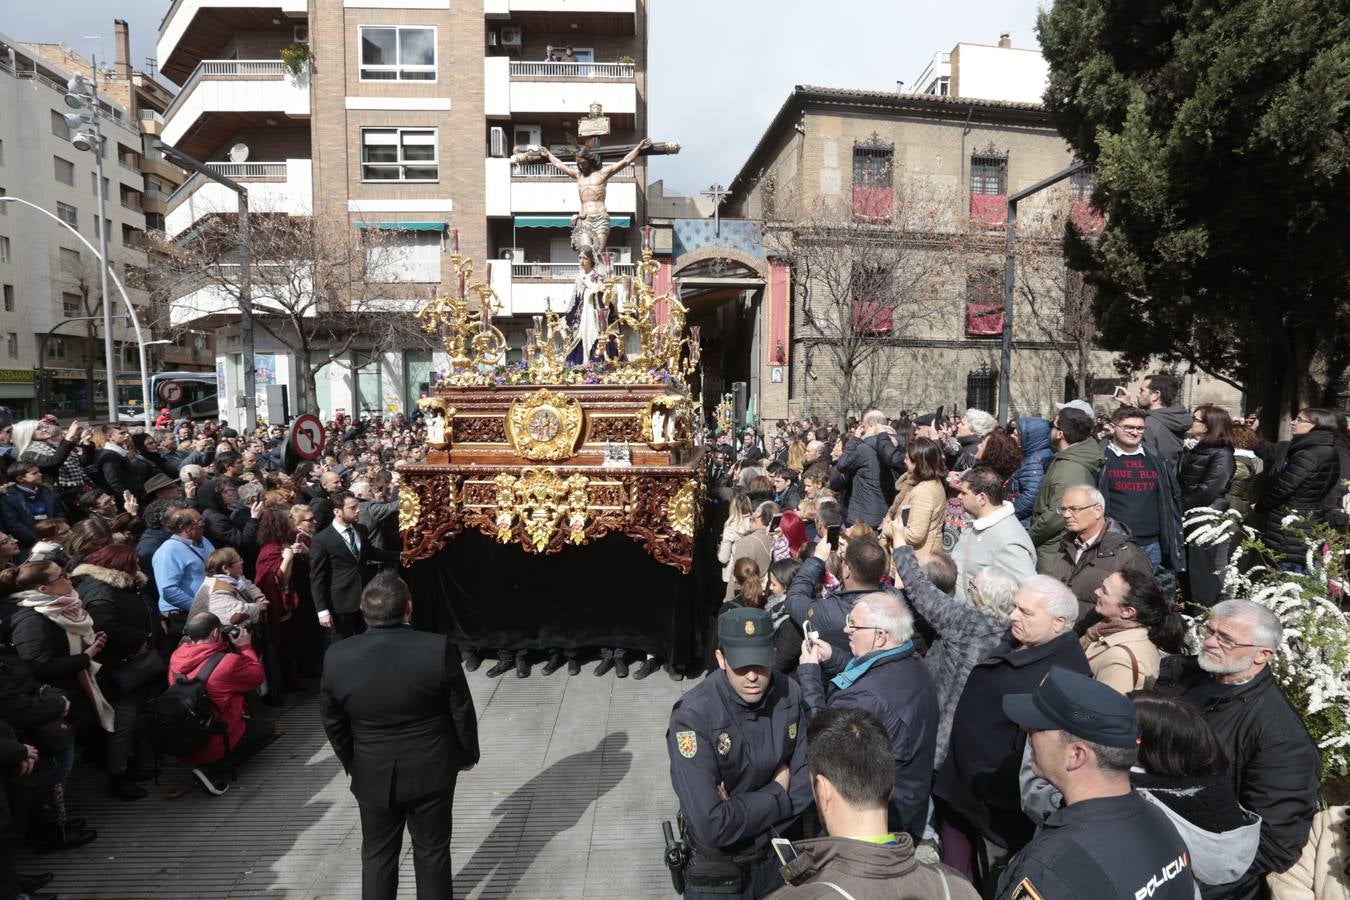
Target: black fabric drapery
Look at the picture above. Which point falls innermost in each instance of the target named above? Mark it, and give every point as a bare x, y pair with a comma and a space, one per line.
607, 593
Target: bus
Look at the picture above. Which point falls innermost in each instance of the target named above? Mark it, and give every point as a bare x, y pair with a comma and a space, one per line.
188, 395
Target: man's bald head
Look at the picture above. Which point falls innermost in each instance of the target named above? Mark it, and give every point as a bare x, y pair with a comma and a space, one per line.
875, 417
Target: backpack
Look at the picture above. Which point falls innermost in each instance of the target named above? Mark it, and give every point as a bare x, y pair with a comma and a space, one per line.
184, 716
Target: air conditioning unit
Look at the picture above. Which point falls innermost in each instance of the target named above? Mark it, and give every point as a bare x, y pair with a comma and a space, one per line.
511, 38
301, 34
497, 141
515, 254
493, 38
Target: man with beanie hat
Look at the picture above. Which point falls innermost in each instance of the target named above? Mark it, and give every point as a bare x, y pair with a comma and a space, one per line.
1106, 841
737, 744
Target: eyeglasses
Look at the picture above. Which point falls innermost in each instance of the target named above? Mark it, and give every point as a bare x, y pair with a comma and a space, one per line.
1223, 640
1200, 420
1299, 420
1132, 429
8, 539
849, 627
1074, 509
58, 579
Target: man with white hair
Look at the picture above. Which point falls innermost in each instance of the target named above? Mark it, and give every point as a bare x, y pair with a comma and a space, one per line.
887, 678
976, 793
861, 465
1273, 762
975, 426
1094, 546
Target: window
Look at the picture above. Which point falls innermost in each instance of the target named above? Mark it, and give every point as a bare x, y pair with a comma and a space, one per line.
64, 169
989, 174
70, 261
398, 54
1081, 184
9, 298
2, 153
72, 305
873, 311
405, 256
68, 214
93, 185
4, 207
941, 87
59, 126
399, 154
4, 249
982, 388
12, 345
984, 303
56, 348
873, 199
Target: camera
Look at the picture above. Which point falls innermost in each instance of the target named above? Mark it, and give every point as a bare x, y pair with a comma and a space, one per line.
232, 632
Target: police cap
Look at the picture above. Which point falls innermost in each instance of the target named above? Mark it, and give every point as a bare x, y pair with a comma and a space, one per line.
745, 635
1087, 709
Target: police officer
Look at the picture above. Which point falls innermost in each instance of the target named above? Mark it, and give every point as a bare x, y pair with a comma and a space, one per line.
1106, 841
737, 744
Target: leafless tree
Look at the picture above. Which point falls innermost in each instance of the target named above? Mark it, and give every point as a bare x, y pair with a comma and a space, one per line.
319, 288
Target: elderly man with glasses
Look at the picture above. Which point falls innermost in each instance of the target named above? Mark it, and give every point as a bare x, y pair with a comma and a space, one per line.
1273, 763
1094, 546
887, 678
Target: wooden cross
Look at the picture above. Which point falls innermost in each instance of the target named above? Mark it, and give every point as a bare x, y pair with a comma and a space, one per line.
717, 194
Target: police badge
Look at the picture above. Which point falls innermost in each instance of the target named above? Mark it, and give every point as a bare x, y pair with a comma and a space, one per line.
723, 744
792, 731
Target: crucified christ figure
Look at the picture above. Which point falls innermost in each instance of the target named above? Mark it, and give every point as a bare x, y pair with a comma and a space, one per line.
590, 227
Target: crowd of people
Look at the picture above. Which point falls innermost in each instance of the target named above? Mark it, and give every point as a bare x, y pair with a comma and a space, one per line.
1007, 608
159, 589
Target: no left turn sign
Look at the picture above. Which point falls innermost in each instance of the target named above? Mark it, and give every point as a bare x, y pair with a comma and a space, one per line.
306, 437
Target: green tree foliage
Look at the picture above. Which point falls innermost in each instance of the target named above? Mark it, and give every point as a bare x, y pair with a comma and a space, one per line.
1218, 128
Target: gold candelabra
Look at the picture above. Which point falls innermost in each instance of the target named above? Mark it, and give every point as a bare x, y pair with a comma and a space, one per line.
466, 327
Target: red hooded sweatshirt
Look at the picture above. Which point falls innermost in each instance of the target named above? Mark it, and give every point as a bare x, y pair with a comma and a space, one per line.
235, 675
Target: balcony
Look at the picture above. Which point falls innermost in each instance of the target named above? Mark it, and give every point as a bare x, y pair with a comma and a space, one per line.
212, 23
557, 88
284, 187
540, 188
530, 288
231, 94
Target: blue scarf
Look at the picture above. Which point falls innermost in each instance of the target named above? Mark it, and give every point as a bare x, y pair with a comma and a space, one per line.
857, 666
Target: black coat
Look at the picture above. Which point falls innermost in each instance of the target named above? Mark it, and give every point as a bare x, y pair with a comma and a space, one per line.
121, 607
116, 475
336, 577
24, 702
1300, 475
227, 527
397, 710
45, 647
978, 779
17, 518
1273, 762
147, 465
1204, 473
890, 450
860, 463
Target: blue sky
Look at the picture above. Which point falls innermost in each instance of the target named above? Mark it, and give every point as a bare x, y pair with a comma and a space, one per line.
719, 69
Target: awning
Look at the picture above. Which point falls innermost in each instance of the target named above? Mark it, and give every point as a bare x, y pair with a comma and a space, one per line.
404, 226
565, 221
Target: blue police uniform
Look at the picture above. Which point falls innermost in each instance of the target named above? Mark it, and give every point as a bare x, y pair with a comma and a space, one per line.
716, 738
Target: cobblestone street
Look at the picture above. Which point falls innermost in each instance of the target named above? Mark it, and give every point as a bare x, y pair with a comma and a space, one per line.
567, 802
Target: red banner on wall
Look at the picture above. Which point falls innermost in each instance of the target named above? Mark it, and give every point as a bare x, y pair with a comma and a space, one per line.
989, 209
873, 204
984, 319
776, 351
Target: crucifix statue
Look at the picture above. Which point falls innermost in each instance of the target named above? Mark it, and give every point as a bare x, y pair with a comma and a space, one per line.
717, 194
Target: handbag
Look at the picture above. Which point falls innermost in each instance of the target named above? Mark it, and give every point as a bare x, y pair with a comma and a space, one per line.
135, 673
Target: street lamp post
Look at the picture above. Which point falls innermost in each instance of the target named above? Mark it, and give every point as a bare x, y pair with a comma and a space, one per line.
245, 274
1010, 273
131, 310
92, 139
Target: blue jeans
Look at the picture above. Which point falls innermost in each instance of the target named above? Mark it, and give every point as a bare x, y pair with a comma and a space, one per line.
1167, 579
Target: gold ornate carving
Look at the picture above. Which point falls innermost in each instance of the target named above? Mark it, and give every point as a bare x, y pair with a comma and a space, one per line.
409, 509
682, 510
440, 421
578, 501
506, 505
544, 425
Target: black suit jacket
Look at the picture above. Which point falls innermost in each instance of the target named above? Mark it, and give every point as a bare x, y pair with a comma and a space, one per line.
336, 577
397, 710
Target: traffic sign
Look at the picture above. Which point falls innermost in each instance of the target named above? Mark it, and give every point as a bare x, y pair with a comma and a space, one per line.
171, 392
306, 437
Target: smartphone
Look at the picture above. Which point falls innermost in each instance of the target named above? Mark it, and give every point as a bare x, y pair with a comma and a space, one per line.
775, 522
1119, 392
783, 848
832, 536
810, 632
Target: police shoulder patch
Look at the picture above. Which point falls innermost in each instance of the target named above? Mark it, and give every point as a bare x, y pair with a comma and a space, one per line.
1025, 890
687, 743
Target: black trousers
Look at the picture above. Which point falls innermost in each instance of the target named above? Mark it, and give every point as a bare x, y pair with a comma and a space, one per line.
428, 822
347, 625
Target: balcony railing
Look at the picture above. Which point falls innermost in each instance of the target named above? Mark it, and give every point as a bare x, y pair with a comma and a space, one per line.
249, 169
132, 203
251, 69
129, 164
571, 70
547, 170
548, 271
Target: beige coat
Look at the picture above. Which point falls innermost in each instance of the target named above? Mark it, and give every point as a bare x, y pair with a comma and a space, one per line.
927, 502
1127, 660
1320, 873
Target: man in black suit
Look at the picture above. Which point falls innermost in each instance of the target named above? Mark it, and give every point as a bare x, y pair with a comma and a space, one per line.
398, 712
338, 569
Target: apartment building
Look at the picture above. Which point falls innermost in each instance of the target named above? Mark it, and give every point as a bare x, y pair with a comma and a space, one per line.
399, 117
986, 72
923, 179
51, 319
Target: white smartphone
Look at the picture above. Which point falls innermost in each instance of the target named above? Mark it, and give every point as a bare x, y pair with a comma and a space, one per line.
784, 850
811, 634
